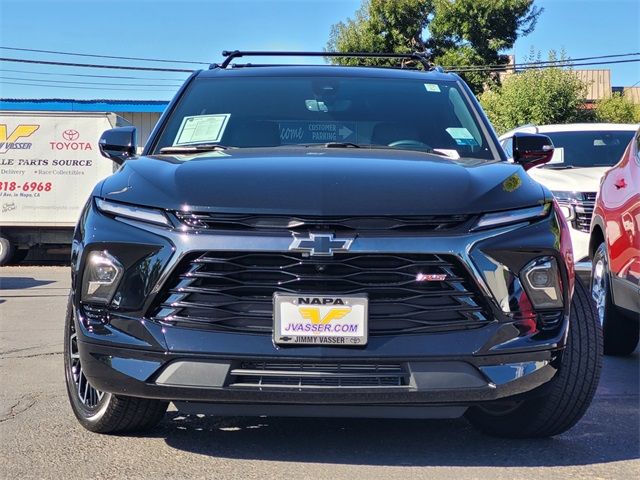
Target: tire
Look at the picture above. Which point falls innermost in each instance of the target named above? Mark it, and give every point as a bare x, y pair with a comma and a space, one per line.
6, 251
566, 398
103, 412
619, 332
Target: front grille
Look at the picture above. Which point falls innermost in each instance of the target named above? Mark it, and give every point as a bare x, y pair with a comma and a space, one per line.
301, 376
253, 223
234, 291
584, 211
94, 313
550, 320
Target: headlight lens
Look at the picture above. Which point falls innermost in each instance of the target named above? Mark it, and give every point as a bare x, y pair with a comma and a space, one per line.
489, 220
102, 273
148, 215
541, 279
566, 201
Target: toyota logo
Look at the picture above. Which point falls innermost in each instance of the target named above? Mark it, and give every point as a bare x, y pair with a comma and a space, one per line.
70, 135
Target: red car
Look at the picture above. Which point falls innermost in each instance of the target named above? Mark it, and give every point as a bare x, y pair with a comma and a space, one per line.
615, 253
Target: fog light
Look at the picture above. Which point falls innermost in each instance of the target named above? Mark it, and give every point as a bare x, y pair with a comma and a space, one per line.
101, 276
541, 279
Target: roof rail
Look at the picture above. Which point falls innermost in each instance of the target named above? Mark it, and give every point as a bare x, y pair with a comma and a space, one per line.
422, 57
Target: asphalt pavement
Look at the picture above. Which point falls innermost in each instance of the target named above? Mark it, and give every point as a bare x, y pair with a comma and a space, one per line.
40, 438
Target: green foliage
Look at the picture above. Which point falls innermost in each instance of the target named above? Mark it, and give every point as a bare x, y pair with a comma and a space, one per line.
474, 32
458, 32
539, 96
381, 26
617, 109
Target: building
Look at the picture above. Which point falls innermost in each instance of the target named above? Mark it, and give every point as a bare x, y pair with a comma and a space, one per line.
143, 114
598, 84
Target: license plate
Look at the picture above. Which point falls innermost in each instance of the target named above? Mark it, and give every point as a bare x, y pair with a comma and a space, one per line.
320, 319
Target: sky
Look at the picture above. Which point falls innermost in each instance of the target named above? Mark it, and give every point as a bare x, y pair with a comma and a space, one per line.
200, 30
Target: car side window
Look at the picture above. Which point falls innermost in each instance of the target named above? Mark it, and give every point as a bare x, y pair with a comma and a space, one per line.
638, 147
507, 146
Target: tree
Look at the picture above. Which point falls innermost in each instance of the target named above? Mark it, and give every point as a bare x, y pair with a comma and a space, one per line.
457, 32
617, 109
382, 26
537, 96
474, 32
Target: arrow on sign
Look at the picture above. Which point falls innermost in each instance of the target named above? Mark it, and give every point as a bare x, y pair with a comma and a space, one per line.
344, 132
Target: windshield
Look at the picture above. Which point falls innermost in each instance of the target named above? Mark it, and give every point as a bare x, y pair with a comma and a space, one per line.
416, 114
589, 149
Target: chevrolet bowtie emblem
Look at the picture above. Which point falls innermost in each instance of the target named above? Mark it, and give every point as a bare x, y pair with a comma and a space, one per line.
320, 244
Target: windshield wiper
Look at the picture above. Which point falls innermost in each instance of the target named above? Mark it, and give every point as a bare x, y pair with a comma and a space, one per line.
200, 147
341, 145
558, 167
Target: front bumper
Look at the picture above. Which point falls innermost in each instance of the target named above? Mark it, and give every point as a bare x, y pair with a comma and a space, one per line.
193, 379
129, 354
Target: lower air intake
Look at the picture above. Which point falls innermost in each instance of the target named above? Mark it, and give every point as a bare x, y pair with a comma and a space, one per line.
301, 376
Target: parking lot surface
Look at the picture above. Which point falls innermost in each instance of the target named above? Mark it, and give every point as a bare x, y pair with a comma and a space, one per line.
40, 438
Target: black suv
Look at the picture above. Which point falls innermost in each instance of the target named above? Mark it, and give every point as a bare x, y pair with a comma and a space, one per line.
327, 241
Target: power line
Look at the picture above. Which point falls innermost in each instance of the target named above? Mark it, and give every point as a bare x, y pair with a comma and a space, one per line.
88, 88
506, 68
502, 65
93, 65
75, 54
164, 60
89, 83
502, 68
89, 76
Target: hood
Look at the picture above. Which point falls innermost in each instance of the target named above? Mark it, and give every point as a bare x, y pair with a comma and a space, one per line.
571, 179
321, 181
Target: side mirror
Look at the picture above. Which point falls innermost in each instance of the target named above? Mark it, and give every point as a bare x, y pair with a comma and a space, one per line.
119, 144
531, 149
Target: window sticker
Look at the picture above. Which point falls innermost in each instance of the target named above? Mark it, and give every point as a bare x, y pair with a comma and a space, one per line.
201, 129
462, 136
432, 87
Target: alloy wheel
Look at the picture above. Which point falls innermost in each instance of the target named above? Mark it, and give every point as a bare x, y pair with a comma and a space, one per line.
598, 288
89, 396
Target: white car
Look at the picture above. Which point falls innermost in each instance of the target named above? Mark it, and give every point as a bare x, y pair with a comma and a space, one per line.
583, 152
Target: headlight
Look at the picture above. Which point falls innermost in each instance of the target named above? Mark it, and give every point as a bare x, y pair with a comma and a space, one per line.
489, 220
566, 201
541, 279
148, 215
102, 273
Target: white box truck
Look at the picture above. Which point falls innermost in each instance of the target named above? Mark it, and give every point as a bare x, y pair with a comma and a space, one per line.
49, 164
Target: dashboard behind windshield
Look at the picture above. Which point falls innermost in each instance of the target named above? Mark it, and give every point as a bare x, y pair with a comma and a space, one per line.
416, 114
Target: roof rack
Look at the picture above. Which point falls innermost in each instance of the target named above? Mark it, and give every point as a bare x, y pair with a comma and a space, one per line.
422, 57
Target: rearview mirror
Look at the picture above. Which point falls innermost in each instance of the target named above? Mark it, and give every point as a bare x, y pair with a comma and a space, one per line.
119, 144
531, 149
